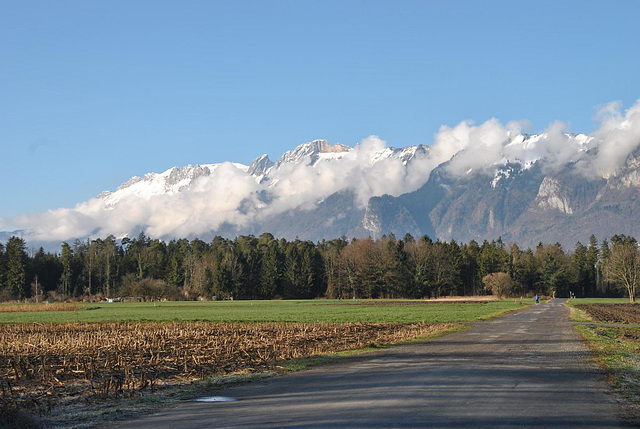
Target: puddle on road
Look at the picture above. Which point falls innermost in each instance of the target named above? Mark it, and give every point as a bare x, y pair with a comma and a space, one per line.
216, 399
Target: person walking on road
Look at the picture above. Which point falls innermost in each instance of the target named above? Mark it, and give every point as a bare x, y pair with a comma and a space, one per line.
537, 299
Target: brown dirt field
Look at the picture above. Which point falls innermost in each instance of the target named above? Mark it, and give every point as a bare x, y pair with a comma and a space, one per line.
40, 364
614, 313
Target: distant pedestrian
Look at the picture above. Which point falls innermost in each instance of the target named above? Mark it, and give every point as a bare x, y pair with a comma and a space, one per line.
537, 299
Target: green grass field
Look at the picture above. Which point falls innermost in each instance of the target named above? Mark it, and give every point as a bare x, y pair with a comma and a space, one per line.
266, 311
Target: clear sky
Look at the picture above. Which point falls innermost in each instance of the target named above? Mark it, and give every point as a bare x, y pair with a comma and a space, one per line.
92, 93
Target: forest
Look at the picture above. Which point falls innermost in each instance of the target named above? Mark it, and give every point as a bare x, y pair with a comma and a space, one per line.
263, 267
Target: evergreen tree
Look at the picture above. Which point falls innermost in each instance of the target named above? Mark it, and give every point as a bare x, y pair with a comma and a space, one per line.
47, 269
554, 268
249, 267
16, 271
3, 268
593, 259
199, 247
605, 280
175, 273
66, 287
334, 268
270, 266
292, 271
581, 270
470, 268
250, 256
109, 262
208, 284
157, 259
78, 281
526, 273
90, 266
307, 284
223, 278
493, 258
420, 263
445, 262
139, 251
398, 277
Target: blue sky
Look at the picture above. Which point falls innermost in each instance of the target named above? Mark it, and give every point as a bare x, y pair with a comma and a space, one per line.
92, 93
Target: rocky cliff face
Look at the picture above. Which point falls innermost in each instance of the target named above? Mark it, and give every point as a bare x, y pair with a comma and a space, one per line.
551, 196
526, 207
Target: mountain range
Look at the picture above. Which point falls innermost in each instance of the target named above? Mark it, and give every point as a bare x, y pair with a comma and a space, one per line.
473, 182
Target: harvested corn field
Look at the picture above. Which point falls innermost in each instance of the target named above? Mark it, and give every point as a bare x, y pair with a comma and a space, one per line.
614, 313
43, 363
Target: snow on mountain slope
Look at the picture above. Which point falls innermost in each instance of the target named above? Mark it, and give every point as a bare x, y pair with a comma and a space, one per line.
208, 198
171, 181
184, 201
523, 151
314, 170
311, 152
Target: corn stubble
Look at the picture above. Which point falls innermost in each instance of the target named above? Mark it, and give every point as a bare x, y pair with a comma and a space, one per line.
40, 364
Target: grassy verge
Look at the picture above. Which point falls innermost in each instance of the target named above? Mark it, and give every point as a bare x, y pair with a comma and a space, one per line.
621, 359
617, 350
577, 315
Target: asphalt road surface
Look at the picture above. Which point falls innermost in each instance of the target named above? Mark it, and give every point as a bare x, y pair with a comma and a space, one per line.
526, 370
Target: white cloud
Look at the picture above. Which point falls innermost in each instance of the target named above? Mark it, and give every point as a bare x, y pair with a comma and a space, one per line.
211, 201
230, 195
479, 147
367, 169
62, 224
521, 126
617, 137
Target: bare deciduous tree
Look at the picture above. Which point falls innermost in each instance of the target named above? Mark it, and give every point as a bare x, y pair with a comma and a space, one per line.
623, 266
499, 284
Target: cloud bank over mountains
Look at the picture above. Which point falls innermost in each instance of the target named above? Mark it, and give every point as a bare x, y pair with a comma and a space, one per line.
196, 200
602, 153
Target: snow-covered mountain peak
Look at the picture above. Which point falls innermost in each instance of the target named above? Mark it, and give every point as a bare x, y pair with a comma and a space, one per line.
169, 182
323, 146
260, 166
406, 154
524, 151
316, 180
487, 173
310, 152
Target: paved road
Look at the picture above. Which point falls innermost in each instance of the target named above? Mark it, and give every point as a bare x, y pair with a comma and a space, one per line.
528, 369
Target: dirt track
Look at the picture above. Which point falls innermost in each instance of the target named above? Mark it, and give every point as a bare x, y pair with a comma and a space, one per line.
528, 369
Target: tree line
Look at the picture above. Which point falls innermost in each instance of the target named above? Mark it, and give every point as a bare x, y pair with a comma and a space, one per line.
263, 267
